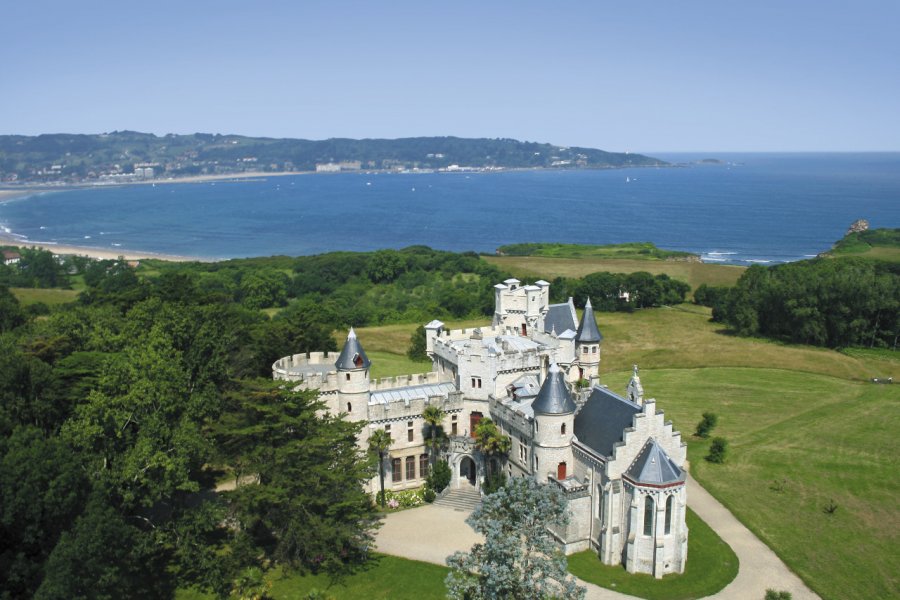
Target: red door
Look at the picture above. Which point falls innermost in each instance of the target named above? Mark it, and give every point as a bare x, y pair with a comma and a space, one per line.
474, 419
561, 471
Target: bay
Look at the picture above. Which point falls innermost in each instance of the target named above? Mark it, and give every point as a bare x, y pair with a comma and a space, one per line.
764, 208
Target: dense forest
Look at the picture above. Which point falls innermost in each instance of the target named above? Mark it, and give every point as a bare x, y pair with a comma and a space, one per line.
823, 302
79, 157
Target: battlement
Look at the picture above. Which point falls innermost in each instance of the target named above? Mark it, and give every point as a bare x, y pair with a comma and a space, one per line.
510, 417
407, 409
402, 381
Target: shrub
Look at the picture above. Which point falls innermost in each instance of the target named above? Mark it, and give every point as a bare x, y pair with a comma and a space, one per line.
706, 424
777, 595
429, 495
494, 482
403, 499
440, 476
717, 450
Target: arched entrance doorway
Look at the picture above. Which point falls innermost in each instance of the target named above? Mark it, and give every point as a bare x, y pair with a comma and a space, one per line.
467, 470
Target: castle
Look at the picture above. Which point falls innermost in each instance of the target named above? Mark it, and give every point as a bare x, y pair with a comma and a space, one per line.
535, 372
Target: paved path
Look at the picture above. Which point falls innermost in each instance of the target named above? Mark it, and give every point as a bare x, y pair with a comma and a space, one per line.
760, 568
432, 533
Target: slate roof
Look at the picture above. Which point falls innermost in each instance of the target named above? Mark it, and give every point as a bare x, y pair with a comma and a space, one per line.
602, 419
587, 329
561, 317
554, 397
654, 467
352, 355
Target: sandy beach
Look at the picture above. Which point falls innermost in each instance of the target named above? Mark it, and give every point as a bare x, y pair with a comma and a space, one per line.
98, 253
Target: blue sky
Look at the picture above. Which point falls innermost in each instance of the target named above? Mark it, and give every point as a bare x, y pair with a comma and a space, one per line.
704, 75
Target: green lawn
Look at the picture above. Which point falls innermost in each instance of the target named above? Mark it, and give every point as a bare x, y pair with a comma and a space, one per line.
384, 578
797, 441
693, 273
48, 296
710, 567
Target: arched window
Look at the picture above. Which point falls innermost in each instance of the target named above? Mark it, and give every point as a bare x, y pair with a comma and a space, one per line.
562, 429
669, 515
648, 515
600, 504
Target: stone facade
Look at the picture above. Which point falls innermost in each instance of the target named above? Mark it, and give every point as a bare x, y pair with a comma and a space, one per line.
535, 372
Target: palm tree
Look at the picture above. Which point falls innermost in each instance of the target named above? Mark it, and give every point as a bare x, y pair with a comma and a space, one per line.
379, 442
491, 442
434, 416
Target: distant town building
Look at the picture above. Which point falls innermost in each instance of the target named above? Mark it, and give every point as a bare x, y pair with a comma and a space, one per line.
11, 257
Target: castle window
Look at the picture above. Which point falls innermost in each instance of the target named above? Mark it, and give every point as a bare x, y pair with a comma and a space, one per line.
593, 349
535, 462
584, 349
423, 465
561, 471
476, 382
669, 515
453, 426
357, 360
562, 429
396, 470
524, 329
349, 408
409, 431
600, 504
387, 429
648, 515
410, 468
348, 376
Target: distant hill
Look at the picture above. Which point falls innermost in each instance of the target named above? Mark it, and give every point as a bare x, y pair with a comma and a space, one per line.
124, 154
881, 244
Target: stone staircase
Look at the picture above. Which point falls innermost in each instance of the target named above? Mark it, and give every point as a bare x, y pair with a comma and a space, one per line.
465, 498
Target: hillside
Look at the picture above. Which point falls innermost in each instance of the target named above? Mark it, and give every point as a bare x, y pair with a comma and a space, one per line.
80, 158
881, 244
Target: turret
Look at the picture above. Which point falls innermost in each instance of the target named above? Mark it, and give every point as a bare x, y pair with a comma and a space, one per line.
353, 380
587, 347
554, 421
635, 391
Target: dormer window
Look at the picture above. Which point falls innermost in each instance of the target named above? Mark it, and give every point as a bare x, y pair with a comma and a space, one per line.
357, 360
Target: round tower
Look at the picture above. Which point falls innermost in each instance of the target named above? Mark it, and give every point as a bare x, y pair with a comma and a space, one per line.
554, 420
587, 347
353, 381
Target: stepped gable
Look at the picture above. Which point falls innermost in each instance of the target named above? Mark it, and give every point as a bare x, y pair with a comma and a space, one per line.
561, 318
587, 329
652, 466
352, 355
554, 397
602, 420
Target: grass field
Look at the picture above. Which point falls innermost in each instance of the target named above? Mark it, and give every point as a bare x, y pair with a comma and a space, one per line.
634, 250
804, 417
49, 296
384, 578
711, 566
693, 273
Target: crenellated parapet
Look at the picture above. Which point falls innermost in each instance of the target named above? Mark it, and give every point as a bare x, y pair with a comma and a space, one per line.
646, 424
402, 381
407, 409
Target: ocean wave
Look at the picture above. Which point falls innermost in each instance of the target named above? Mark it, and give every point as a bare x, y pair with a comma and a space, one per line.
721, 253
712, 259
760, 261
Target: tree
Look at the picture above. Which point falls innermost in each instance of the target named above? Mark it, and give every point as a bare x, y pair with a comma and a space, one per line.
706, 424
309, 511
520, 558
440, 476
491, 443
434, 417
417, 345
379, 443
717, 450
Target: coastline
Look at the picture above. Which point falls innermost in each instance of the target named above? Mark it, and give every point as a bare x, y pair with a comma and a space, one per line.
96, 253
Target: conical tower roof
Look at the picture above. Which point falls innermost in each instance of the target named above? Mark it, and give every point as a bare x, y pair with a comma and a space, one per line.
554, 398
587, 329
654, 467
352, 356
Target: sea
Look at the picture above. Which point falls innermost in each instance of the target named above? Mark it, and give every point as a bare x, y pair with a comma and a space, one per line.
744, 209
